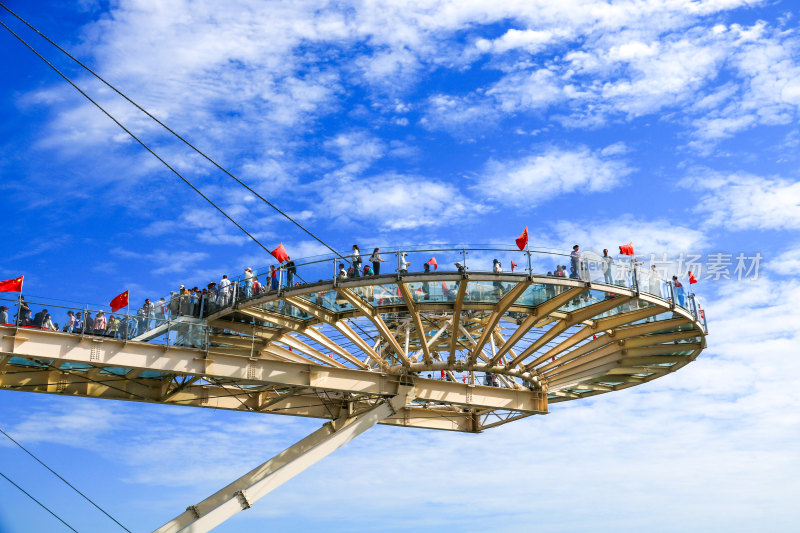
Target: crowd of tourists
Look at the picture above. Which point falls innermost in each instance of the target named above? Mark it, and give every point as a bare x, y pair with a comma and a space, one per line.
200, 303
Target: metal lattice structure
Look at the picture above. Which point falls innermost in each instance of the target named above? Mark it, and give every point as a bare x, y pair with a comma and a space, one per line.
506, 345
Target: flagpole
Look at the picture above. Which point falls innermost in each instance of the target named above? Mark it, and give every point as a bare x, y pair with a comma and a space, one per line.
19, 300
128, 315
530, 266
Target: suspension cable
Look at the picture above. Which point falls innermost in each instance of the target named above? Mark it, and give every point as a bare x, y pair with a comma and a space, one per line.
187, 143
43, 506
126, 130
64, 480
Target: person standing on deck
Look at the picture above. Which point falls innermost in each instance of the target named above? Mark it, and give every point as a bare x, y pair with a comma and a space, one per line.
575, 262
291, 270
376, 261
248, 282
356, 261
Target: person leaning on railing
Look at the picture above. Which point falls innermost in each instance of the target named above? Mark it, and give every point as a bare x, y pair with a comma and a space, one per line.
3, 314
680, 295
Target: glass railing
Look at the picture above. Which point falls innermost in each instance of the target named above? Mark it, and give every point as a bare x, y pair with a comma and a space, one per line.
178, 318
160, 325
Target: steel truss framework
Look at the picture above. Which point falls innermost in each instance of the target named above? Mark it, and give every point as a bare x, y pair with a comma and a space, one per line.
340, 349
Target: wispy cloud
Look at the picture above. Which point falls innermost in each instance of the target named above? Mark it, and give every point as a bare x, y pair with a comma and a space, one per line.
552, 172
741, 201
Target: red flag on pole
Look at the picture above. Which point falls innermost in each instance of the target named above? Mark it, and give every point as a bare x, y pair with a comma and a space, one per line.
513, 266
692, 279
522, 240
626, 249
11, 285
280, 254
119, 302
433, 263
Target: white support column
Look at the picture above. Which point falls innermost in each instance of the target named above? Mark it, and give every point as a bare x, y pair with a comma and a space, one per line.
242, 493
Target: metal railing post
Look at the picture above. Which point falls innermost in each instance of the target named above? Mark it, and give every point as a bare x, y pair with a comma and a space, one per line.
671, 294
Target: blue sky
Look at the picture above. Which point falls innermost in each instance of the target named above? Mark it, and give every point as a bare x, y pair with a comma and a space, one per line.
669, 123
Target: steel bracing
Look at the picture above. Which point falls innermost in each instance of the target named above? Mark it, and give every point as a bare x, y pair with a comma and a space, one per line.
435, 350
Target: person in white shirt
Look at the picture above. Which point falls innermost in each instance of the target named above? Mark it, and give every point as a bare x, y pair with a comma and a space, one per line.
248, 282
356, 261
608, 267
224, 291
403, 263
654, 282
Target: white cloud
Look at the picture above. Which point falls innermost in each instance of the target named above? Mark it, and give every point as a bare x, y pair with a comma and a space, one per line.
394, 201
648, 236
787, 263
745, 201
165, 261
460, 116
358, 150
765, 63
538, 178
528, 40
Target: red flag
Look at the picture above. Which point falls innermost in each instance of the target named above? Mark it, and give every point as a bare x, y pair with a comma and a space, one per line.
119, 302
11, 285
522, 240
626, 249
432, 261
513, 266
280, 254
692, 279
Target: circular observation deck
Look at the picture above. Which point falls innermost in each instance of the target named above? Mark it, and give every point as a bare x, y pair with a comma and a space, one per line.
566, 337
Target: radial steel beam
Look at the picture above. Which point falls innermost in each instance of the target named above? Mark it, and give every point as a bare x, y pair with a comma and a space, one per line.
536, 317
573, 318
611, 324
502, 306
459, 302
296, 344
412, 309
372, 315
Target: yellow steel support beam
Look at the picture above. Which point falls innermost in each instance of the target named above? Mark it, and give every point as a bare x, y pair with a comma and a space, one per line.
457, 304
502, 306
372, 315
412, 309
